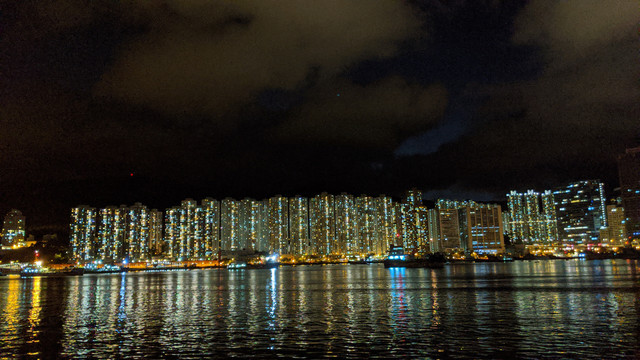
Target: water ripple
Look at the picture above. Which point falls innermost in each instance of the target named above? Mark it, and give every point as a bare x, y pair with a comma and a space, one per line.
529, 310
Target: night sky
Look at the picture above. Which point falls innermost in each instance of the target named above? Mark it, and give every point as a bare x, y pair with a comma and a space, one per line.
114, 102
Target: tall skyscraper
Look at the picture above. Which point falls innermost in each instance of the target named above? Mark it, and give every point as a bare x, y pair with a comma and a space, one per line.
434, 231
629, 171
230, 225
368, 223
549, 218
252, 224
278, 224
580, 208
13, 229
128, 234
322, 224
346, 225
409, 222
616, 232
448, 224
112, 231
172, 232
422, 227
481, 228
191, 231
138, 234
299, 225
82, 233
156, 244
388, 227
529, 223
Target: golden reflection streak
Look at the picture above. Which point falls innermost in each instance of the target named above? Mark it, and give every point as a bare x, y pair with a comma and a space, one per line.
11, 310
436, 321
34, 312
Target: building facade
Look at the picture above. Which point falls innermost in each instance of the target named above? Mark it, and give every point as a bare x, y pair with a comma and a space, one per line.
580, 208
629, 172
13, 230
82, 233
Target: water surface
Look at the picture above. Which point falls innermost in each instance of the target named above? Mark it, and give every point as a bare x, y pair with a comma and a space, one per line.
531, 309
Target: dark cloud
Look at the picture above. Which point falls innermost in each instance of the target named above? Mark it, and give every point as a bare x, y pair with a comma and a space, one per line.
376, 115
212, 57
571, 120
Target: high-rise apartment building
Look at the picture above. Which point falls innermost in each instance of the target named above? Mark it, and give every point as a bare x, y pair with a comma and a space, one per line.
481, 228
230, 225
127, 234
432, 216
347, 237
172, 232
278, 225
82, 233
13, 229
368, 223
616, 231
156, 243
112, 231
138, 232
409, 221
191, 231
448, 224
580, 208
528, 221
322, 224
251, 225
629, 171
387, 230
299, 225
549, 218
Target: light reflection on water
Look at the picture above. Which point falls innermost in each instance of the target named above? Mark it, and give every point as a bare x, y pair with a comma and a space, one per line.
522, 309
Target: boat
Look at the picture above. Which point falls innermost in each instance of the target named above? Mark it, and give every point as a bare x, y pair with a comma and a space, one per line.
398, 258
237, 265
104, 269
267, 265
32, 271
359, 262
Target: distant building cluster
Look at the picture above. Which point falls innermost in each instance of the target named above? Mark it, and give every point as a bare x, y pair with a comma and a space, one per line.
576, 214
326, 224
114, 234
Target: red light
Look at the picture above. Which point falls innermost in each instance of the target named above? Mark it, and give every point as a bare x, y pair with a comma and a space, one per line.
131, 174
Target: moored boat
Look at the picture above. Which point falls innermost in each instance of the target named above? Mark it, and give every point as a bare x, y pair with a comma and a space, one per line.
46, 272
398, 258
237, 265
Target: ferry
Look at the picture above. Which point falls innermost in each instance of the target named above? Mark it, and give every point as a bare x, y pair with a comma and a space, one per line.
237, 265
32, 271
398, 258
104, 269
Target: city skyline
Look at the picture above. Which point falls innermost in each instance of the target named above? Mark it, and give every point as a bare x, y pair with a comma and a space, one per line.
327, 224
313, 179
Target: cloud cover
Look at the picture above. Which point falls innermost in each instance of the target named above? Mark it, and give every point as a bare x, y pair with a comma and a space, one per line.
570, 120
212, 57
